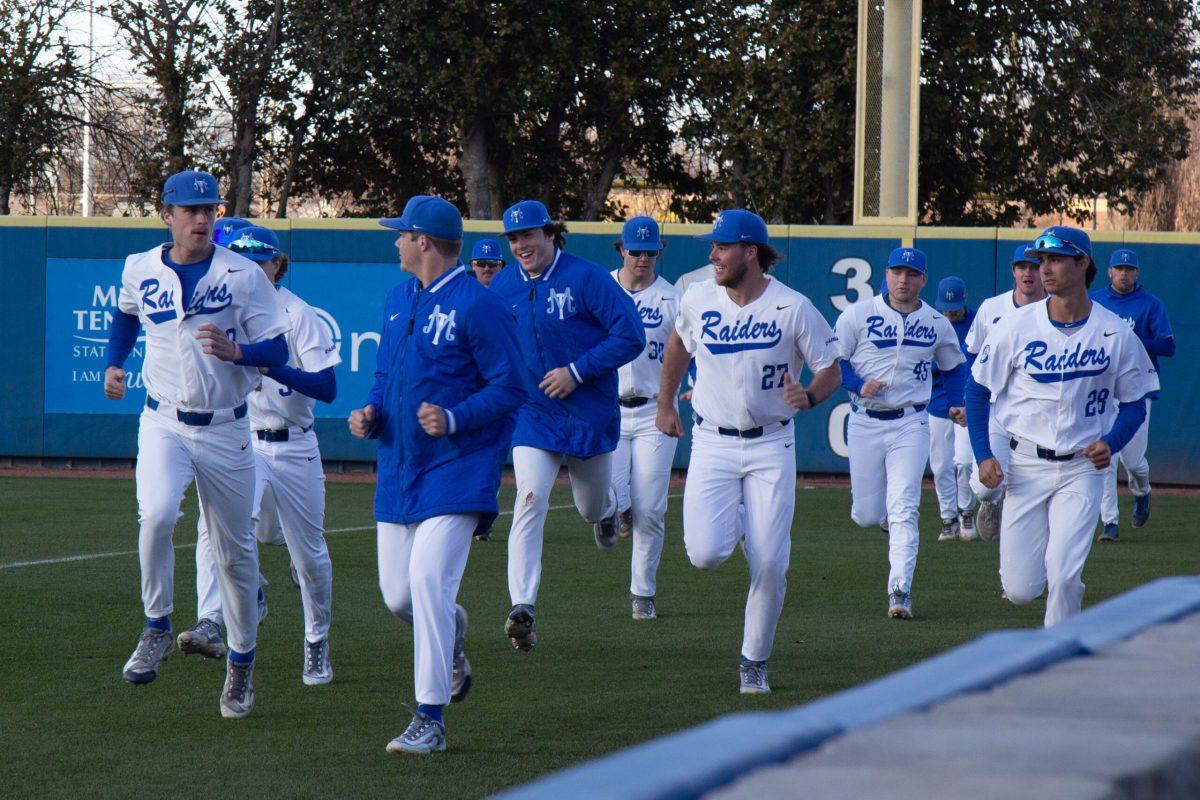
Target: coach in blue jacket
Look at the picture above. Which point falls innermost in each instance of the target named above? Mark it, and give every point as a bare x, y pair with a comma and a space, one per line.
446, 385
575, 327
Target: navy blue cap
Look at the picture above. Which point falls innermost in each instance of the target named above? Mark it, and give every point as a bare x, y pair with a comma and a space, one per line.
526, 215
737, 225
1124, 258
641, 233
951, 294
255, 243
1061, 240
909, 257
1019, 256
430, 215
225, 228
191, 188
487, 250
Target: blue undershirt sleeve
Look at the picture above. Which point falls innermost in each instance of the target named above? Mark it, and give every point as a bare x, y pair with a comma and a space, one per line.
317, 385
955, 384
1130, 417
978, 404
1164, 346
271, 353
851, 381
122, 336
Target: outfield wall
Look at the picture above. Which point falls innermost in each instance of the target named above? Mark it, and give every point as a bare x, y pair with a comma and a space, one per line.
60, 277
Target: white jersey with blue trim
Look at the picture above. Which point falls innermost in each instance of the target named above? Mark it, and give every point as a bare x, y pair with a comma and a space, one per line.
658, 306
896, 349
743, 353
990, 312
311, 349
1059, 387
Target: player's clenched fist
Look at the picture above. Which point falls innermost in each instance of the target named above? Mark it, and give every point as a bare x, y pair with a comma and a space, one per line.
990, 474
667, 420
432, 419
114, 383
215, 343
958, 416
558, 383
361, 421
796, 395
872, 387
1099, 453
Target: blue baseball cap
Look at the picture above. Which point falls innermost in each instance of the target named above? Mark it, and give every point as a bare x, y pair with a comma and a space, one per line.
737, 225
487, 250
191, 188
1124, 258
226, 227
951, 294
1019, 256
255, 243
909, 257
525, 216
430, 215
1061, 240
641, 233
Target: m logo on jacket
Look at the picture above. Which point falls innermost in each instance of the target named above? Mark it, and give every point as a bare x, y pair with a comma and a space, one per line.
440, 323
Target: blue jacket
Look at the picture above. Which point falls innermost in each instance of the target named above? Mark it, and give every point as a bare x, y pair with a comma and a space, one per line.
576, 316
940, 401
1148, 316
453, 346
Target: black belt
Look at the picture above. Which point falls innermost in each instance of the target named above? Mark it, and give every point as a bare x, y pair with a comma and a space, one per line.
1042, 452
280, 435
895, 413
749, 433
633, 402
196, 418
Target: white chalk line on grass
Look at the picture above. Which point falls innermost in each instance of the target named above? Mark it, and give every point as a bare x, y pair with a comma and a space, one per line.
92, 556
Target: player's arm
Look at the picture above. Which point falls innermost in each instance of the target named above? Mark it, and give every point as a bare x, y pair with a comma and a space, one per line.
262, 318
1160, 340
675, 364
614, 311
122, 336
271, 353
846, 328
317, 356
321, 385
365, 422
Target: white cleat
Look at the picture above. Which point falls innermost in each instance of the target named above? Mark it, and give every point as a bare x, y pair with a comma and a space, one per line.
424, 735
318, 671
987, 521
203, 638
752, 678
237, 697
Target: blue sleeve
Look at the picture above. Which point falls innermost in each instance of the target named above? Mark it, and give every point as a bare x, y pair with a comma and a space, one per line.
1130, 417
955, 383
384, 355
317, 385
614, 311
1160, 341
492, 334
271, 353
122, 336
978, 403
851, 381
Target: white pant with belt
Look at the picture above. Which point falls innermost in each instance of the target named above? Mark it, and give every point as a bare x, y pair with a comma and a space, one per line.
641, 478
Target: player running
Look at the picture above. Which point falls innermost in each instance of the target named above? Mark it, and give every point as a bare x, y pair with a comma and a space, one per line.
750, 335
1057, 372
888, 345
949, 443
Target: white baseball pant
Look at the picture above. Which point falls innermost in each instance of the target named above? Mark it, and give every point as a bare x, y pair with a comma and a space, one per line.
736, 484
1137, 470
1046, 529
292, 472
642, 472
535, 471
420, 569
267, 527
950, 463
999, 441
219, 458
887, 463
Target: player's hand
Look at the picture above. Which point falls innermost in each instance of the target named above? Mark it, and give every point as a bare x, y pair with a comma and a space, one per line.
959, 415
1099, 453
872, 387
990, 474
114, 383
558, 383
432, 419
686, 396
361, 421
795, 394
215, 343
667, 420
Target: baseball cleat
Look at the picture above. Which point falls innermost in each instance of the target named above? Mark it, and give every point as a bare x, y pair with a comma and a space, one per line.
626, 528
317, 669
521, 627
293, 576
203, 638
484, 536
1141, 509
262, 605
883, 525
237, 697
900, 605
987, 521
949, 531
1109, 534
752, 677
424, 735
154, 647
966, 526
460, 675
606, 532
643, 607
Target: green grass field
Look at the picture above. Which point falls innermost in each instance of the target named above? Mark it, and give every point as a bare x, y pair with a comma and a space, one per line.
598, 681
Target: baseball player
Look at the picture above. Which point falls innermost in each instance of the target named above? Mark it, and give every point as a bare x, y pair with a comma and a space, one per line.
1027, 288
212, 319
642, 461
446, 385
1068, 379
575, 327
287, 463
1147, 315
486, 260
889, 344
750, 335
949, 443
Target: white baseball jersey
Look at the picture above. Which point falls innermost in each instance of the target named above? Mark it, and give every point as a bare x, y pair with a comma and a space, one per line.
685, 281
234, 295
744, 353
896, 349
1059, 388
310, 348
658, 306
990, 312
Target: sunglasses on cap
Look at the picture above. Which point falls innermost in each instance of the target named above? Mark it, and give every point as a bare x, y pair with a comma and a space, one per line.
643, 253
1048, 241
248, 246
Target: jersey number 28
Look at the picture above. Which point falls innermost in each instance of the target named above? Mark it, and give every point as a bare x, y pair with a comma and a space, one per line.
1095, 402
